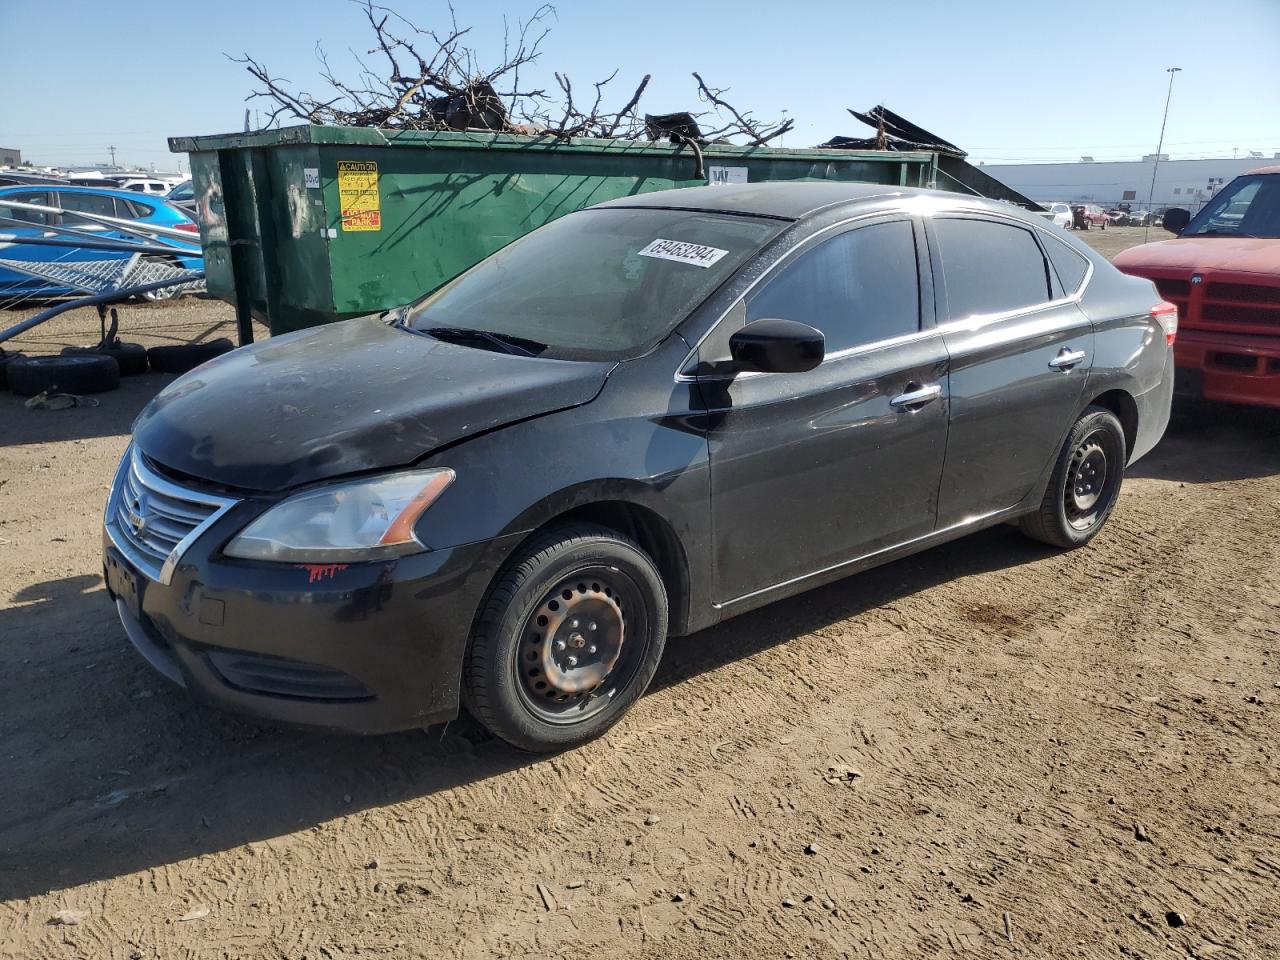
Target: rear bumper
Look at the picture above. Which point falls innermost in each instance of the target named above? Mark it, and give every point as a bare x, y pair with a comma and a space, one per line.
1230, 368
1154, 408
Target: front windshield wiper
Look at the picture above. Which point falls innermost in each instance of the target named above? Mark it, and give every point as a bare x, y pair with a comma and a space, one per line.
520, 346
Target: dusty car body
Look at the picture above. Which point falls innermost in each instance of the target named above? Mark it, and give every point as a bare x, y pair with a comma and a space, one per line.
786, 425
1223, 272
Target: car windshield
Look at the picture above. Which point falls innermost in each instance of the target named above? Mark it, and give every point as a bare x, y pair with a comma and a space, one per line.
595, 285
1246, 207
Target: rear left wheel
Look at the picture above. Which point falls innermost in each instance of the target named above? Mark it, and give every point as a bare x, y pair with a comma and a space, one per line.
1085, 484
568, 639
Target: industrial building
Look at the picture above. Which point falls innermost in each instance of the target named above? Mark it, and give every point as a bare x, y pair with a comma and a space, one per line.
1179, 183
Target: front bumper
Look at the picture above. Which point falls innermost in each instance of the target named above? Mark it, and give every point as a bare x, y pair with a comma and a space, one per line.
1231, 368
360, 648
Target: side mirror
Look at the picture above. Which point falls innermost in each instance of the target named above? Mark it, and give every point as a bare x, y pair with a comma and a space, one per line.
1176, 219
777, 346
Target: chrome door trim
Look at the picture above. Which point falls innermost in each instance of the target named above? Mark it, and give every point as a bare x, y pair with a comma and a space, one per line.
970, 323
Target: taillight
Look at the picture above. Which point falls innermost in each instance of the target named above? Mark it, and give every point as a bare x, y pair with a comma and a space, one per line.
1166, 314
186, 227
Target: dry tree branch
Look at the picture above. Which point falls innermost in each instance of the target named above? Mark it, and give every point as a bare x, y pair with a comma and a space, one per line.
435, 81
743, 123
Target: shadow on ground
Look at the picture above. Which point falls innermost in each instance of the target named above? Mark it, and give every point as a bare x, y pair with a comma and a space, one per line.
1214, 442
110, 770
112, 416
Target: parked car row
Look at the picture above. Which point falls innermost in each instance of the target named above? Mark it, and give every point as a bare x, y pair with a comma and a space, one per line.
1075, 216
1087, 216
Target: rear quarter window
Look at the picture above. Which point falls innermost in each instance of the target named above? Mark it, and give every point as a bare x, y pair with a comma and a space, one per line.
1072, 267
135, 209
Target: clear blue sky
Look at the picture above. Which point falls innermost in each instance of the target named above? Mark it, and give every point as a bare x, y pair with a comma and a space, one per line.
1000, 78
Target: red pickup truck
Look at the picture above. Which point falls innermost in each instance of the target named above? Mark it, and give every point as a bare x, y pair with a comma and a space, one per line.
1223, 273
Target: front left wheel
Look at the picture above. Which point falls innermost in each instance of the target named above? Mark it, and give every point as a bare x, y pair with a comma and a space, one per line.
567, 640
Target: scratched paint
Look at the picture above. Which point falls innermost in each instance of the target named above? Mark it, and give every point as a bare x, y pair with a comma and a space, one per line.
316, 572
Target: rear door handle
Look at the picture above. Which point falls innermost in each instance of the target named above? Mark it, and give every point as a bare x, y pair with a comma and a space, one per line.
1067, 359
914, 399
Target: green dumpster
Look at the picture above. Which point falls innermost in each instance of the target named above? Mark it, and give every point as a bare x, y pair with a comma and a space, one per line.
310, 224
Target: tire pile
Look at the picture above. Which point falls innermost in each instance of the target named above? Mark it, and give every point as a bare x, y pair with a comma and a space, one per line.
97, 369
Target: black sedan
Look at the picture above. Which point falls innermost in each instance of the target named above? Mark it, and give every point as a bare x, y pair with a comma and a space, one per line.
637, 421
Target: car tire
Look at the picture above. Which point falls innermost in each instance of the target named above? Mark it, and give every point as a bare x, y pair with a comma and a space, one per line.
132, 357
187, 356
1103, 225
6, 358
81, 373
567, 639
1085, 484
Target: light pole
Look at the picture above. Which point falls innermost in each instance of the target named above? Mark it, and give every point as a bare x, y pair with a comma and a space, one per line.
1159, 147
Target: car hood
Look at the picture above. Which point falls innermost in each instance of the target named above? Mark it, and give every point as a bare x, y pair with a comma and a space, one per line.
342, 398
1240, 254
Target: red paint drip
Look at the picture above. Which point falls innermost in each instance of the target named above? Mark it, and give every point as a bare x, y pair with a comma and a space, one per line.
321, 571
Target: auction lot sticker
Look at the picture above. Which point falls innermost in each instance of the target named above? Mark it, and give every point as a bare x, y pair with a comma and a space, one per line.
681, 252
358, 195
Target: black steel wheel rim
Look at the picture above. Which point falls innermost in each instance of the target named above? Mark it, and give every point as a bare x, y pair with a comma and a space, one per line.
583, 643
1090, 482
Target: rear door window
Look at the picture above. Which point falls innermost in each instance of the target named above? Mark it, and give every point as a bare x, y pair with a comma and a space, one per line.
858, 288
990, 267
87, 203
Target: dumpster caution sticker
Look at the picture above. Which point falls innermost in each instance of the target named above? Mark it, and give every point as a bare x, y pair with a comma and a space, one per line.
358, 195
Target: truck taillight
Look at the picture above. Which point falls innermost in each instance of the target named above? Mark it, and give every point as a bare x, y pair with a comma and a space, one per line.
1166, 314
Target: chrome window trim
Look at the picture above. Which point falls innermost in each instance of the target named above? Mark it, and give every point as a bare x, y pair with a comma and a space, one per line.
149, 479
971, 323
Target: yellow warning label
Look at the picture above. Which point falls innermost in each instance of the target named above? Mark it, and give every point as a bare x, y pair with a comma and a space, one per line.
358, 195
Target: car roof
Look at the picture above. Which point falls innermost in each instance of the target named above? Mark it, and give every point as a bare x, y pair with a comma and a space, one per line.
63, 188
794, 199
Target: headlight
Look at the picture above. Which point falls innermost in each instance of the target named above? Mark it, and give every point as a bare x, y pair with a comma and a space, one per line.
361, 520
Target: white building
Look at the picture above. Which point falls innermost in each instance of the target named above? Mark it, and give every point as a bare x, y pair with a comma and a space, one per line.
1179, 183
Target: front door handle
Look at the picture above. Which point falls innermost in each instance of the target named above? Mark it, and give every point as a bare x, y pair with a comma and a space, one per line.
914, 399
1067, 359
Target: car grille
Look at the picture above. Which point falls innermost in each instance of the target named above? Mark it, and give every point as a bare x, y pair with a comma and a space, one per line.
1243, 307
152, 519
1242, 293
1228, 314
1248, 308
1173, 288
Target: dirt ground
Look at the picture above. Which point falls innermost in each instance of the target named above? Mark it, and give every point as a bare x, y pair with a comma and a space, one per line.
992, 749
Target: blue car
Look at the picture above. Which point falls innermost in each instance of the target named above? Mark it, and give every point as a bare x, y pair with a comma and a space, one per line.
121, 204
